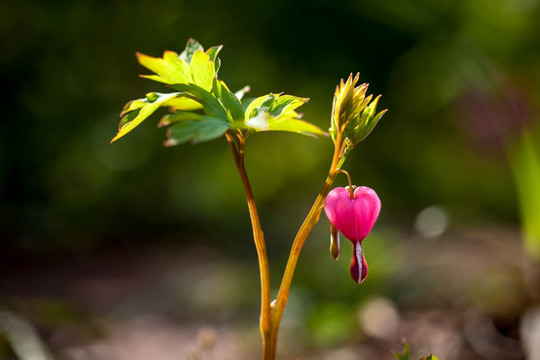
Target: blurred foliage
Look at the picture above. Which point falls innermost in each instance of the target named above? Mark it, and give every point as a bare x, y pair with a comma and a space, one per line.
68, 66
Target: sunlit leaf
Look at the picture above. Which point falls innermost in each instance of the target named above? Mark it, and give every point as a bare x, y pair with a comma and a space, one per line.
259, 106
265, 122
211, 106
285, 103
169, 119
133, 105
192, 47
202, 70
182, 103
170, 68
204, 107
228, 101
207, 128
129, 122
213, 52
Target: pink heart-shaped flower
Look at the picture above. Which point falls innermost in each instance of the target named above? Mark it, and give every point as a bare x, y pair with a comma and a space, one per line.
354, 217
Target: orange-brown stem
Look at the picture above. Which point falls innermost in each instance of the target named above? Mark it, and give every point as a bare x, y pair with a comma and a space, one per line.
236, 143
311, 219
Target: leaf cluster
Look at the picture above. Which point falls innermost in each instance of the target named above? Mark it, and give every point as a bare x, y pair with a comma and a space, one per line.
202, 107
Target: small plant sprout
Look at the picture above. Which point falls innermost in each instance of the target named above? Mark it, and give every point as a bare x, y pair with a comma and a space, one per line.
202, 108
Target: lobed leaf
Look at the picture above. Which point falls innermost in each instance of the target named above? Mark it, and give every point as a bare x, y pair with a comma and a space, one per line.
169, 119
213, 52
265, 122
204, 129
192, 47
182, 103
285, 103
134, 118
211, 106
202, 70
170, 69
259, 106
228, 101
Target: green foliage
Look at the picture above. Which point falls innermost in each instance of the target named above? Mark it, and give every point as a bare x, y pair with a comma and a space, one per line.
407, 351
405, 354
203, 108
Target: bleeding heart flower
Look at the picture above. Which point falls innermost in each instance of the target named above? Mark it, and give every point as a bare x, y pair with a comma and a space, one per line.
354, 217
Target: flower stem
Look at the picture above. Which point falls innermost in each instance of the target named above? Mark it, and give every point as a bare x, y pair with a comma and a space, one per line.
236, 143
311, 219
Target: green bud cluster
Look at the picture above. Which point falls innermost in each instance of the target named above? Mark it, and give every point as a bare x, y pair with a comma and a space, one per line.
354, 115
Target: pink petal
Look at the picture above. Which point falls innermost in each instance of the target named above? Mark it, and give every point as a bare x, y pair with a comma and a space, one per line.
367, 207
339, 208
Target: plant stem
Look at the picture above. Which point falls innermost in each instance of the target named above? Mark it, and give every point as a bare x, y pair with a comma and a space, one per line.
311, 219
237, 148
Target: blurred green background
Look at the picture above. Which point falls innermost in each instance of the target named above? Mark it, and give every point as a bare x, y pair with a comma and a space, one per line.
460, 79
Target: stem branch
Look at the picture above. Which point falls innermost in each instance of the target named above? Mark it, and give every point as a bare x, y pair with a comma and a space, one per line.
237, 147
311, 219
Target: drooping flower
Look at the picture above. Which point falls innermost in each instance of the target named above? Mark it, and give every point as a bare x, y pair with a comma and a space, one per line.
353, 214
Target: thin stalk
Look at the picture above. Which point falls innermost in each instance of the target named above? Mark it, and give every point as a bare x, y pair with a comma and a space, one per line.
311, 219
237, 148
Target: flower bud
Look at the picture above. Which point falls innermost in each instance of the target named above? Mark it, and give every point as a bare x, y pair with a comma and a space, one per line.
334, 242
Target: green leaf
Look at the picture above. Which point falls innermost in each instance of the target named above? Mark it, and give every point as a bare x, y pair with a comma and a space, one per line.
228, 101
405, 354
277, 113
211, 106
182, 103
259, 106
133, 105
429, 357
207, 128
213, 52
192, 47
275, 105
169, 119
133, 118
286, 103
169, 69
265, 122
202, 70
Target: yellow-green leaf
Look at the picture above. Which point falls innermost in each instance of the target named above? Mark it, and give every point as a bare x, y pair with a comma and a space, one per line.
170, 69
144, 112
202, 70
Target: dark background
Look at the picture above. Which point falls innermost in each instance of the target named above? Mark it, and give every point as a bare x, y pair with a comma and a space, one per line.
460, 80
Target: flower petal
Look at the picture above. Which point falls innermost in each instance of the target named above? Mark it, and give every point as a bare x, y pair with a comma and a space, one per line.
339, 208
359, 268
367, 207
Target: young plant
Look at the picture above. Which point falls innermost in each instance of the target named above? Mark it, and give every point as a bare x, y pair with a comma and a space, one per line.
202, 108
